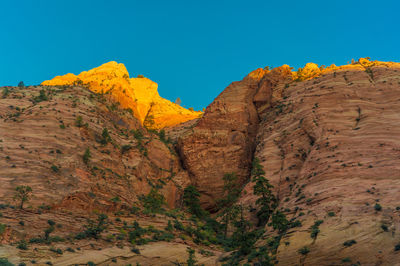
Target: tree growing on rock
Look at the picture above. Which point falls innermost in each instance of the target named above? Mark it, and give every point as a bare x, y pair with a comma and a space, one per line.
23, 194
267, 201
191, 200
230, 209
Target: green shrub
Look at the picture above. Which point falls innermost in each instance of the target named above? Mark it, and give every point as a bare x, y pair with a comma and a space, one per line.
93, 229
106, 138
54, 168
58, 251
304, 250
279, 222
153, 201
2, 228
315, 228
5, 262
178, 225
79, 121
169, 227
6, 91
86, 156
377, 207
349, 243
22, 245
347, 259
41, 97
125, 148
135, 250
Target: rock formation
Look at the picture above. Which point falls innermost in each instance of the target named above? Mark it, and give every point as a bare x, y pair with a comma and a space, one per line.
44, 144
326, 137
138, 94
223, 139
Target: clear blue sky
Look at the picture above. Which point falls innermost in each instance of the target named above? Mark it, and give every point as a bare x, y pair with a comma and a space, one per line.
192, 49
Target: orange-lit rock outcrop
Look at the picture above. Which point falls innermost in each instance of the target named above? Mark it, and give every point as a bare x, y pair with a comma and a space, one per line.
138, 94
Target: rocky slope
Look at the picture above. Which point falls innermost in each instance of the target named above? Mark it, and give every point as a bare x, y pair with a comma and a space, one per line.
45, 132
328, 140
138, 94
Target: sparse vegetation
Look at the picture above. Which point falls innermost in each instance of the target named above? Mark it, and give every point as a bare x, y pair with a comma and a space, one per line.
86, 156
106, 138
41, 97
22, 245
304, 250
79, 121
23, 194
315, 228
93, 229
377, 207
55, 168
153, 202
191, 261
349, 243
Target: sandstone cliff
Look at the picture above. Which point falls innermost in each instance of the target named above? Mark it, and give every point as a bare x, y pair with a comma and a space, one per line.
138, 94
328, 139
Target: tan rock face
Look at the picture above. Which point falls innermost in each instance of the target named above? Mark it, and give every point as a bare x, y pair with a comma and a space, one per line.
38, 136
331, 145
138, 94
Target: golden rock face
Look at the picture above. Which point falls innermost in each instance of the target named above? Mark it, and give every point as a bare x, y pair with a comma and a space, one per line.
138, 94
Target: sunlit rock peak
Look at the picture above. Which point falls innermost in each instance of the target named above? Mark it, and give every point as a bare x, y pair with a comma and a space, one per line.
312, 70
138, 94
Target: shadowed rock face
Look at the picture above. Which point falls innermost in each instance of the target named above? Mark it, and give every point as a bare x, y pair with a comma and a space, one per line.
223, 140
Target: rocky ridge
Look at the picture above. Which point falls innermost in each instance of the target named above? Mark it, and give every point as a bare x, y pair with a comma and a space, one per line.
137, 94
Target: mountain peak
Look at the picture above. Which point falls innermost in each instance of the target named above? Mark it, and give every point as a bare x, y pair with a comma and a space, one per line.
138, 94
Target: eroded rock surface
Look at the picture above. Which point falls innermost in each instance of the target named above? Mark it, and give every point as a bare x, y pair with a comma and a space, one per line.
137, 94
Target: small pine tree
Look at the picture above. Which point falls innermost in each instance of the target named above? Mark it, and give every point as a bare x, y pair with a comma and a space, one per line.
263, 188
106, 136
21, 84
94, 229
243, 237
49, 230
79, 121
191, 261
23, 193
169, 227
229, 209
191, 200
86, 156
